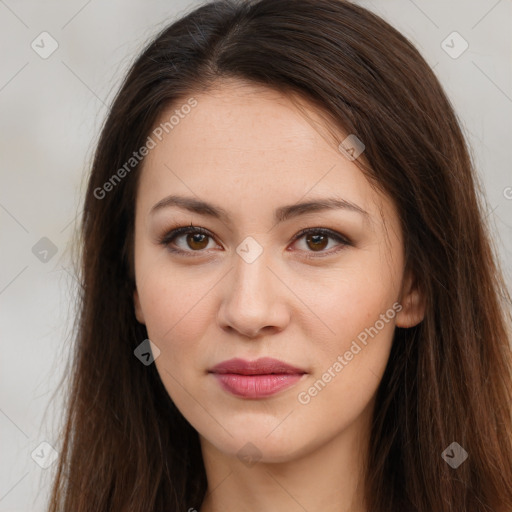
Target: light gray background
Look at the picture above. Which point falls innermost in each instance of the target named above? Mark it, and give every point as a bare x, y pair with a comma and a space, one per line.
51, 112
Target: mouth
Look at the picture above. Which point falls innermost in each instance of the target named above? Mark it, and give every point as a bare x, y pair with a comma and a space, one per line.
262, 366
256, 379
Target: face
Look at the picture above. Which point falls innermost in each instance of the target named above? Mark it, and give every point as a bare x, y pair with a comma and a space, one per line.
246, 282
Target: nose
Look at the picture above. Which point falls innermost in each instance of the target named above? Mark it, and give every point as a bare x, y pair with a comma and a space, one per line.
254, 299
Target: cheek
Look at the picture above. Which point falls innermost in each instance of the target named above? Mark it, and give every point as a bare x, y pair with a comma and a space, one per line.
353, 359
358, 304
173, 301
176, 319
350, 363
351, 300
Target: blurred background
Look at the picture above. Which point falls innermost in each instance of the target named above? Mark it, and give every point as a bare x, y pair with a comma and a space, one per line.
61, 64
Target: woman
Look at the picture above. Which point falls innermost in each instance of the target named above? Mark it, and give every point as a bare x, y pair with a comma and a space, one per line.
290, 299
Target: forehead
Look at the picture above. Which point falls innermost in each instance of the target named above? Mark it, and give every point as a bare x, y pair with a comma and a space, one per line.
250, 144
237, 119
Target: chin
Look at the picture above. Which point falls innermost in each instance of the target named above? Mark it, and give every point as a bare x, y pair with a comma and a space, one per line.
256, 445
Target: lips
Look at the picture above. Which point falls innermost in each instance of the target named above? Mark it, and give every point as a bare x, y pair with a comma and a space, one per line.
256, 379
262, 366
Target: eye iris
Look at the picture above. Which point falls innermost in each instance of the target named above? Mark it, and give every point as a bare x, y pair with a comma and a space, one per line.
192, 238
317, 243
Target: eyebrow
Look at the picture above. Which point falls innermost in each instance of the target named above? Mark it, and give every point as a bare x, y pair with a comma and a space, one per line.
281, 214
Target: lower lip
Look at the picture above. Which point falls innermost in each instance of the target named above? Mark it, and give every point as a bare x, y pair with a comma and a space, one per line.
256, 386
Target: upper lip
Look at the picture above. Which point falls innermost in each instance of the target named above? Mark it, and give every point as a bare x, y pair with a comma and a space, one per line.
262, 366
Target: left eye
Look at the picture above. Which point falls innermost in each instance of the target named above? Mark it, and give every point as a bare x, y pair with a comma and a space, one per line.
317, 239
196, 239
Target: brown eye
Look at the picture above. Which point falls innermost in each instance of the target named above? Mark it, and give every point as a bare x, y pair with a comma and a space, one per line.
197, 241
317, 242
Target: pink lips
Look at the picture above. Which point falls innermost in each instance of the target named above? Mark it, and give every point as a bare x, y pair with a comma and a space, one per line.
256, 379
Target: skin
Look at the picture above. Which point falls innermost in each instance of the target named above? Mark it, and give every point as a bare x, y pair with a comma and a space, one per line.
250, 150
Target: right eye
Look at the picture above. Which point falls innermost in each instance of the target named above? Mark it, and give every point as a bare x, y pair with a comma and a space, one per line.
196, 239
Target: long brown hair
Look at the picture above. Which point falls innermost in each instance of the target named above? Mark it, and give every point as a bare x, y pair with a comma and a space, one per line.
125, 446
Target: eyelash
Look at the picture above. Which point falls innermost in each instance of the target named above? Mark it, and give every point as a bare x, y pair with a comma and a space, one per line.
174, 233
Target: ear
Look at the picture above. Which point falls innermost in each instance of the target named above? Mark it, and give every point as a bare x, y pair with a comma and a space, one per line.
138, 310
412, 302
